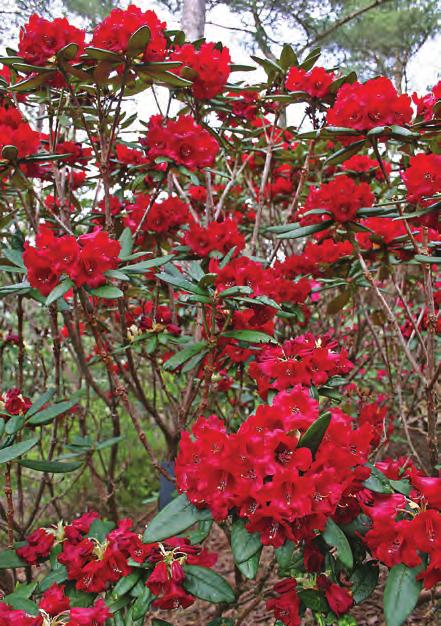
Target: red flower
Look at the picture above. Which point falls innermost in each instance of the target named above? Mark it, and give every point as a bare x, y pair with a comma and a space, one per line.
114, 32
339, 599
217, 236
423, 178
54, 601
315, 83
15, 131
94, 616
210, 68
363, 106
98, 254
84, 260
41, 39
14, 402
181, 140
38, 546
164, 216
286, 606
342, 197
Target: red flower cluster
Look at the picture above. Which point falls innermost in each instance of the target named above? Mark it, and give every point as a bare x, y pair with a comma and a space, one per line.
405, 527
287, 603
425, 104
342, 197
168, 574
94, 564
15, 131
14, 403
216, 237
129, 156
363, 164
264, 472
41, 39
423, 178
305, 360
38, 546
181, 140
315, 83
55, 609
84, 260
270, 282
315, 258
147, 316
339, 599
162, 217
363, 106
210, 68
114, 32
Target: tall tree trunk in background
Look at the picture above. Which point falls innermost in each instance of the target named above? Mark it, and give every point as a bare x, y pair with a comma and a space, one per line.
193, 19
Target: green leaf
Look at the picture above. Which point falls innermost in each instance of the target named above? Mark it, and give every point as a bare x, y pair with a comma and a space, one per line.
206, 584
40, 401
314, 600
284, 554
249, 568
177, 516
312, 438
10, 153
47, 415
51, 467
31, 83
304, 231
377, 481
251, 336
126, 241
344, 153
182, 283
182, 356
364, 579
422, 258
18, 449
69, 52
14, 424
108, 292
142, 604
125, 584
20, 603
10, 559
235, 291
103, 55
99, 529
15, 256
400, 594
244, 545
58, 575
288, 57
138, 41
143, 266
160, 622
335, 537
9, 290
59, 290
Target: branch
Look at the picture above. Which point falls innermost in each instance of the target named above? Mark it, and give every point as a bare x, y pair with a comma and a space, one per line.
346, 19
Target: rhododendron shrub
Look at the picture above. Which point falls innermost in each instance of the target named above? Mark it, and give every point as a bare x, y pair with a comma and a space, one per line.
241, 313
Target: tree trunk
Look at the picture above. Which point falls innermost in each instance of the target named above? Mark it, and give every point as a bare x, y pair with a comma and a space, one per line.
193, 19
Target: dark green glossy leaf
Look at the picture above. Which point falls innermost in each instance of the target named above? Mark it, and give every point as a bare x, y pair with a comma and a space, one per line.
206, 584
177, 516
401, 594
16, 450
335, 537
